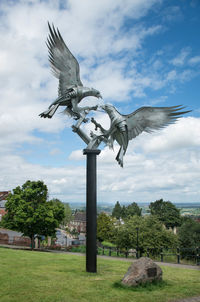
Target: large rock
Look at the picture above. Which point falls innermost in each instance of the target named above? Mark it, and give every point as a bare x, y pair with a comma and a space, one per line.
142, 271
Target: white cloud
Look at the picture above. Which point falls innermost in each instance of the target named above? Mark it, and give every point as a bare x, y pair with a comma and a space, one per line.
61, 181
180, 59
77, 155
172, 75
111, 81
172, 13
184, 134
194, 60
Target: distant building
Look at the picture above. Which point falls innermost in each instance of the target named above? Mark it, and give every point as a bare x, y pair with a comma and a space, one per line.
3, 197
62, 239
65, 239
78, 223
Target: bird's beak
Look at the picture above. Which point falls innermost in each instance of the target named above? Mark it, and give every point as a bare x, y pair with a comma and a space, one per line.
100, 96
102, 107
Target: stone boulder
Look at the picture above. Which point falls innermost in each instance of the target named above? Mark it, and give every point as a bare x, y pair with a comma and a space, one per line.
142, 271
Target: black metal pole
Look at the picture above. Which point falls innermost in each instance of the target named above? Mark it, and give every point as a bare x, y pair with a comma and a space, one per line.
91, 210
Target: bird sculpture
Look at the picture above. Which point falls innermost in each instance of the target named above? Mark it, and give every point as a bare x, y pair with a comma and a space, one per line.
71, 91
126, 127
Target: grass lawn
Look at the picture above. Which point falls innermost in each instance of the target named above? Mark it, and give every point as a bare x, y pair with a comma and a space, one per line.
27, 276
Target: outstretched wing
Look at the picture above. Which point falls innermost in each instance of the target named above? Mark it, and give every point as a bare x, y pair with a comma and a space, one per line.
149, 119
64, 65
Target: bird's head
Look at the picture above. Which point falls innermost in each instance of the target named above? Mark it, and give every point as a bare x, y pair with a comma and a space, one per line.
108, 108
96, 93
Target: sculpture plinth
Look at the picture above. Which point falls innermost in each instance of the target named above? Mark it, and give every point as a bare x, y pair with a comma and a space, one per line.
91, 210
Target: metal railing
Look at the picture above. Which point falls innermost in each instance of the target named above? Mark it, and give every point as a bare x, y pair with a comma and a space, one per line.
172, 255
175, 255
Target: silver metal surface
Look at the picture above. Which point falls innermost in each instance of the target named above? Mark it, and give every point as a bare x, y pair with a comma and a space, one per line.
126, 127
71, 91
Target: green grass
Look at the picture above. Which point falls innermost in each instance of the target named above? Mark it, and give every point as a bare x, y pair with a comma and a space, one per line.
78, 249
56, 277
108, 244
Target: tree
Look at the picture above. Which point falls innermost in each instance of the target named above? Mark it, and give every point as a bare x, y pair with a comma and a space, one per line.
67, 213
166, 212
105, 227
125, 212
29, 212
189, 237
123, 215
151, 234
133, 209
117, 210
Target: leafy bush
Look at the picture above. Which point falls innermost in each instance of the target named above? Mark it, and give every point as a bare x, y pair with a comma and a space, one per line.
189, 238
108, 244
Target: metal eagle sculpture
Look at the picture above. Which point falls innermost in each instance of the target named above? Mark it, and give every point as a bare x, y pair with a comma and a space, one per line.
126, 127
71, 91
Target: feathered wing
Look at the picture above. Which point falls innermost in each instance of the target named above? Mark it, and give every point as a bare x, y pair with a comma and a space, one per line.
64, 65
149, 119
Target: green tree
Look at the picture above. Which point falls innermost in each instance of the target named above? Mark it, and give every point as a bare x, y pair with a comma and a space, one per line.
105, 227
126, 234
125, 212
117, 211
67, 213
189, 237
151, 234
133, 209
166, 212
29, 212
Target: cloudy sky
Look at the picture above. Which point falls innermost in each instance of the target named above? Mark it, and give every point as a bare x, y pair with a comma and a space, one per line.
137, 53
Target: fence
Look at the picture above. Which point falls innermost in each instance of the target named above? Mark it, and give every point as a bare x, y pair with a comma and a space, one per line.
171, 255
14, 240
178, 255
